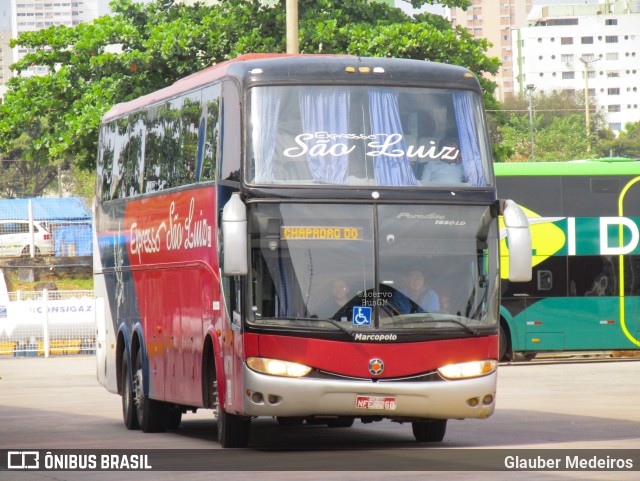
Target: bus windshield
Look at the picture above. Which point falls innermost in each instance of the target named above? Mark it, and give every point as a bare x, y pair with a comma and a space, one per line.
325, 267
367, 136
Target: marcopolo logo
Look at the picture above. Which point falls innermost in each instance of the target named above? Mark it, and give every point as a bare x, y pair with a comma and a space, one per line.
375, 337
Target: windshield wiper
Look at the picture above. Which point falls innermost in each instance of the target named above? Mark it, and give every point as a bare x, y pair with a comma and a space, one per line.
424, 317
276, 321
338, 324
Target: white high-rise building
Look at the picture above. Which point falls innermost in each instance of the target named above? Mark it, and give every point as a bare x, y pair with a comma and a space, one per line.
495, 21
584, 48
32, 15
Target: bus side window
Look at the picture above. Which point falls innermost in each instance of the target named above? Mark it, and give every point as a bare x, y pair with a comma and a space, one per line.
211, 129
120, 158
134, 162
170, 163
593, 276
190, 125
229, 162
105, 161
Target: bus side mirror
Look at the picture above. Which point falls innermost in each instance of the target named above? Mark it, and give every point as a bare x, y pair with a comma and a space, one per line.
518, 240
234, 237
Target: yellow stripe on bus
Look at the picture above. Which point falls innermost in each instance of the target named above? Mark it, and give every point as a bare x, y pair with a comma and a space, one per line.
626, 188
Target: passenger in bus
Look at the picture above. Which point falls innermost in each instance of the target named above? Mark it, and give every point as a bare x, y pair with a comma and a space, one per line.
341, 292
447, 168
417, 296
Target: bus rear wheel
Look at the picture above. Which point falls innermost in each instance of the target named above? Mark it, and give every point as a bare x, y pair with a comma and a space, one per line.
151, 413
429, 431
129, 413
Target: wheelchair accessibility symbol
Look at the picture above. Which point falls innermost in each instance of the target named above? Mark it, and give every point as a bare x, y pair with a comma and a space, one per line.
362, 316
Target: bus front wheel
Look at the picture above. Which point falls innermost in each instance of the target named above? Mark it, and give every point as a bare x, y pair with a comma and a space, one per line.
173, 418
503, 344
429, 431
341, 422
151, 414
233, 430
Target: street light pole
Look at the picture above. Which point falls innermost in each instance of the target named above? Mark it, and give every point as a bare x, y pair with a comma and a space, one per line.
530, 89
587, 121
292, 26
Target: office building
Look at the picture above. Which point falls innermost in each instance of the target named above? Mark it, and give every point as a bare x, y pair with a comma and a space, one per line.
495, 20
31, 15
580, 48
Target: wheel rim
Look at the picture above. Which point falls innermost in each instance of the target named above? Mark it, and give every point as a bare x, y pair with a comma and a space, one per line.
138, 393
214, 398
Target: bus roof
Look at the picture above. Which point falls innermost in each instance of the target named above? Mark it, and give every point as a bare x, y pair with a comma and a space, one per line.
185, 84
604, 166
286, 68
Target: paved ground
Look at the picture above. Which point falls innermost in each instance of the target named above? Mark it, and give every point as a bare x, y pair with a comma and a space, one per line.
56, 403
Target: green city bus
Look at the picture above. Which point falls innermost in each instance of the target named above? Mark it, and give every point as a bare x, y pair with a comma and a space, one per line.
585, 289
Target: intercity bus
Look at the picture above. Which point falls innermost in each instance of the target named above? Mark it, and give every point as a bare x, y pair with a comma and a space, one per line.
584, 293
256, 227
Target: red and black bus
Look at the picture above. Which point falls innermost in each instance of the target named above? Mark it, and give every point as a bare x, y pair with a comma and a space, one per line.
308, 238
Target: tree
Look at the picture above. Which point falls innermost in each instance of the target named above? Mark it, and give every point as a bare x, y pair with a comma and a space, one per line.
160, 42
22, 176
559, 131
627, 144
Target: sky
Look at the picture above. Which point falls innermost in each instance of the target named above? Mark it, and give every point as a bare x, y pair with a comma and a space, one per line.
103, 7
439, 10
104, 4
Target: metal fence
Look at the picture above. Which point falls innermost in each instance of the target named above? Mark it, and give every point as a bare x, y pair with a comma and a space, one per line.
44, 323
43, 227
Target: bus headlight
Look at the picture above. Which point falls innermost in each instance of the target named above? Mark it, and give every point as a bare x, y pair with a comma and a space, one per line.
276, 367
467, 370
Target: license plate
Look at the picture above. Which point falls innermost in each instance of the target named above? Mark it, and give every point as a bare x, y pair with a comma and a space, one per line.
386, 403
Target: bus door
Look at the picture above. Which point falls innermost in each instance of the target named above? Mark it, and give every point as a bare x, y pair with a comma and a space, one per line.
629, 263
546, 312
231, 345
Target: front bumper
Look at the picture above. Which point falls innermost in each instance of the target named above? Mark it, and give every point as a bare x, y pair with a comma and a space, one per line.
266, 395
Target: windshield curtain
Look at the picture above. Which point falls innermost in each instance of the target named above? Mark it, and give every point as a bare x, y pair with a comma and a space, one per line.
375, 136
314, 265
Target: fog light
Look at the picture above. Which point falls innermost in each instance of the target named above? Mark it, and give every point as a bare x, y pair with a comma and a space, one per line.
257, 398
488, 399
473, 402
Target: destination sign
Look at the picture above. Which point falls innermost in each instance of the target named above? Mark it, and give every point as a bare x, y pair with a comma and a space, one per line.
319, 233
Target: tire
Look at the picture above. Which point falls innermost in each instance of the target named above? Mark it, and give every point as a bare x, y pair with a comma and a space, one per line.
431, 431
129, 413
290, 420
26, 251
233, 430
524, 356
173, 418
503, 345
151, 413
341, 422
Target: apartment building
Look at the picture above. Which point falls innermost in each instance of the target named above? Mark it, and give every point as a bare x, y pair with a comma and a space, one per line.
579, 48
33, 15
495, 20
